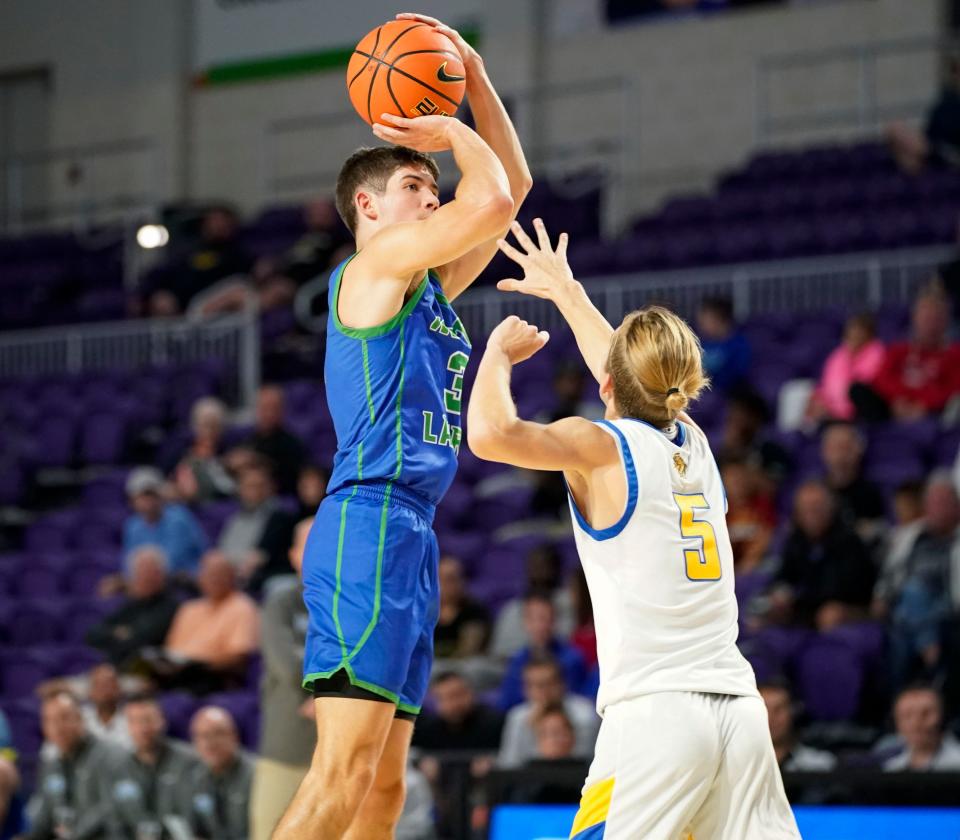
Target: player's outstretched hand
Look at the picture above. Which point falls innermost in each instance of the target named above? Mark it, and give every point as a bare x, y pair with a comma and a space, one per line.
425, 134
469, 57
546, 271
517, 339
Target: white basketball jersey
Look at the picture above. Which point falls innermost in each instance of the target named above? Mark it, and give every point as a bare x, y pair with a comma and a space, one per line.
661, 578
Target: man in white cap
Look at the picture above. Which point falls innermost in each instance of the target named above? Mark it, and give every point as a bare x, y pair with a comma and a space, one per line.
155, 521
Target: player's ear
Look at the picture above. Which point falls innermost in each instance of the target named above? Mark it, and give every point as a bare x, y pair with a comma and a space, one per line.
606, 389
366, 203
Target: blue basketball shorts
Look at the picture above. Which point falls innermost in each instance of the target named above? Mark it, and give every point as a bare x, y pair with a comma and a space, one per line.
371, 591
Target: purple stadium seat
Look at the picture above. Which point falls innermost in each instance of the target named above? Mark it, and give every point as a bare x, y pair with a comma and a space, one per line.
83, 614
178, 707
97, 533
830, 677
468, 546
502, 509
103, 438
75, 659
106, 491
54, 439
23, 670
38, 580
23, 715
35, 622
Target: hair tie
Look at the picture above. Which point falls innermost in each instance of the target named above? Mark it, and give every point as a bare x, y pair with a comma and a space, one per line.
673, 391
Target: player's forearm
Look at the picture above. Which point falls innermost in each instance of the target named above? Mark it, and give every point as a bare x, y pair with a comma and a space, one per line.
491, 412
496, 128
591, 330
483, 181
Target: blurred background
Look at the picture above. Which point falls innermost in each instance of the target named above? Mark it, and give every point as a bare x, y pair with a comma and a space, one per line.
785, 174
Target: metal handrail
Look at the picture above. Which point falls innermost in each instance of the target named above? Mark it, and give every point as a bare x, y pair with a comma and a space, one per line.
866, 114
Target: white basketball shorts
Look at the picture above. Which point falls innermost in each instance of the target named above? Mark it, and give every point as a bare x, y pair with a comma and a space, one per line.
679, 765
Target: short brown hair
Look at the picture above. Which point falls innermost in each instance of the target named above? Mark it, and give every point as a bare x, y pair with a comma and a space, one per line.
372, 167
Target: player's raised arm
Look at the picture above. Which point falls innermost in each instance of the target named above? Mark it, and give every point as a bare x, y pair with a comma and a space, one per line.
547, 275
496, 433
481, 207
496, 128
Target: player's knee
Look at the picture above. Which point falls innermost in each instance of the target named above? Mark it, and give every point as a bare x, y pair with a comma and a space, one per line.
353, 774
389, 796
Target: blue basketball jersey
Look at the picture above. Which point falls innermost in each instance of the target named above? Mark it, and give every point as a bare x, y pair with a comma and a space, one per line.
396, 393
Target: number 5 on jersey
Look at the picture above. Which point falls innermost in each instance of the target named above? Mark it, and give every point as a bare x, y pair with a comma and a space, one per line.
702, 563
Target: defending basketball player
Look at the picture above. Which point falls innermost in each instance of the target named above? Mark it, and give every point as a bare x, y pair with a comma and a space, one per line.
684, 748
396, 353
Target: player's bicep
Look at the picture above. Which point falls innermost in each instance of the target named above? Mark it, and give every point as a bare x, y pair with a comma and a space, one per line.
450, 232
572, 444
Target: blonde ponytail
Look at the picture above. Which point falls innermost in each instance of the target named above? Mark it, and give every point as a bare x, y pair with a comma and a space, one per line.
656, 365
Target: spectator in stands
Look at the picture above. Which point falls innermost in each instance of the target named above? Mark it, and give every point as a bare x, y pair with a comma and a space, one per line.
463, 628
288, 734
556, 738
751, 516
918, 716
152, 789
744, 439
539, 620
920, 375
939, 143
73, 792
543, 686
311, 489
859, 358
11, 808
220, 783
544, 573
458, 722
826, 577
726, 350
103, 711
213, 636
103, 707
860, 501
200, 476
157, 522
257, 538
313, 254
791, 753
144, 618
920, 583
271, 440
216, 256
584, 635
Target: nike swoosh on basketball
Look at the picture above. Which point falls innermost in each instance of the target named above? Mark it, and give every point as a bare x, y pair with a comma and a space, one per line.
443, 76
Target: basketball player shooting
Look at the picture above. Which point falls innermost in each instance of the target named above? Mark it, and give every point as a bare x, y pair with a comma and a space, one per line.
396, 353
684, 749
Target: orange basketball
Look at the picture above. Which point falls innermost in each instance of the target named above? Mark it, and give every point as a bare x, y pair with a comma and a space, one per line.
405, 68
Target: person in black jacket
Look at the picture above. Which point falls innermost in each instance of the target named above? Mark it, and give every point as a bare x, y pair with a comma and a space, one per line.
826, 576
145, 616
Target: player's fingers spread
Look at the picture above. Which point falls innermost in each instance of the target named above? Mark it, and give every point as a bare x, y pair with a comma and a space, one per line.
522, 237
562, 245
544, 336
510, 251
509, 284
542, 236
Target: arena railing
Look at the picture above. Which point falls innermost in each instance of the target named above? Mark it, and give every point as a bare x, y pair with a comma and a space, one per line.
783, 78
231, 343
852, 281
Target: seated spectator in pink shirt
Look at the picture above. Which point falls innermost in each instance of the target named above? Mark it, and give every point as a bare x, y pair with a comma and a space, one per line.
858, 359
212, 637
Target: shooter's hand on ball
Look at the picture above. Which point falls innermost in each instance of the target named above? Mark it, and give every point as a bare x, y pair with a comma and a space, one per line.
468, 55
425, 134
